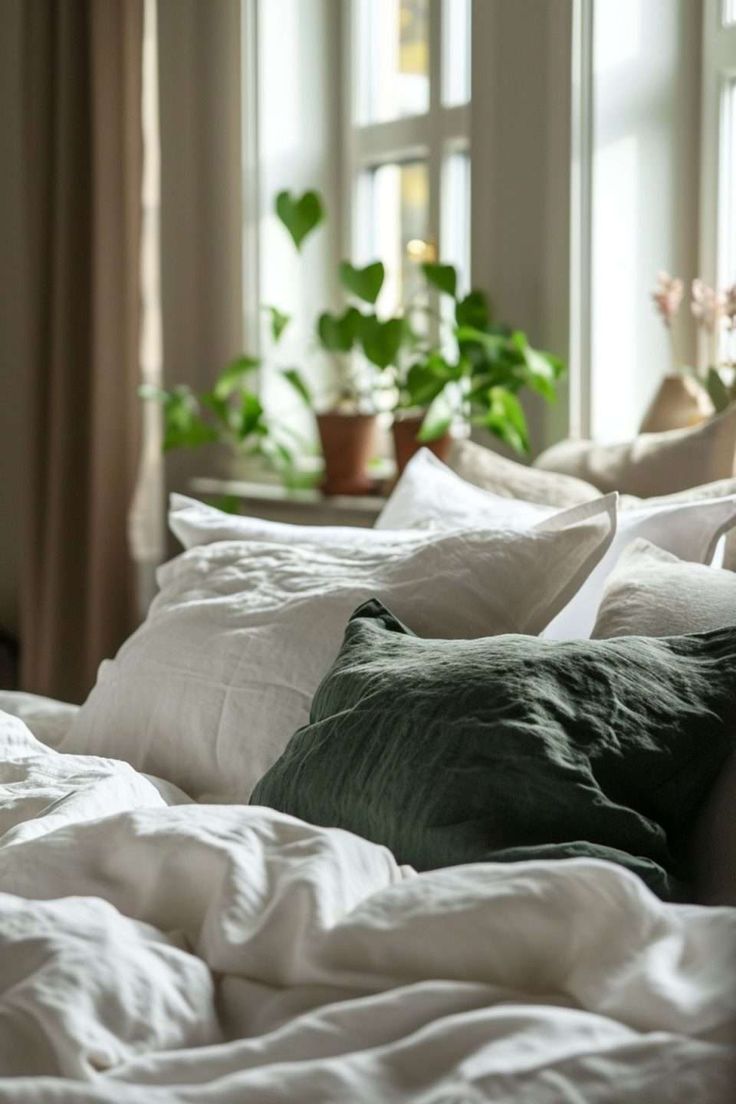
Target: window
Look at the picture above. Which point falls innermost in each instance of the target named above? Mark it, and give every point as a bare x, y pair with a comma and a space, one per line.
718, 183
406, 166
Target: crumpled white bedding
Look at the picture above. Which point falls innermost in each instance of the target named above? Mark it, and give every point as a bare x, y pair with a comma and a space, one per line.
155, 952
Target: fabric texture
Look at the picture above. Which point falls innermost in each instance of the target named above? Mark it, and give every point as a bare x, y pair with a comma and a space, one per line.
491, 472
82, 173
653, 463
211, 687
338, 974
430, 496
510, 748
650, 592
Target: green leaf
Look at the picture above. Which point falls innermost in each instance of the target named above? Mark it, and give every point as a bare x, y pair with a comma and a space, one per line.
299, 216
492, 343
720, 395
442, 276
297, 381
337, 332
541, 373
279, 322
382, 341
366, 282
437, 420
183, 424
505, 418
232, 377
427, 378
249, 416
473, 310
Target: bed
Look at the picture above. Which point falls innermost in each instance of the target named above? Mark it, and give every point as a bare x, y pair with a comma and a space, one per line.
160, 944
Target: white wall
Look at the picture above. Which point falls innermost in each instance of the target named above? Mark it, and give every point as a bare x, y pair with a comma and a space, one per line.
520, 177
646, 81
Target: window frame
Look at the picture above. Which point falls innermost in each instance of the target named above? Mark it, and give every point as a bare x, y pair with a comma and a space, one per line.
433, 136
718, 152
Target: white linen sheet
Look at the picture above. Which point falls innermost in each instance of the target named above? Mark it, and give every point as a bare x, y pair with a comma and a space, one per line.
153, 952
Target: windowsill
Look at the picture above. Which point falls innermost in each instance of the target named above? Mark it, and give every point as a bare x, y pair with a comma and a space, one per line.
273, 502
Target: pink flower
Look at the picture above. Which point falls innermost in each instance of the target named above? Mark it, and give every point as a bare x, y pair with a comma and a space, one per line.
708, 305
667, 297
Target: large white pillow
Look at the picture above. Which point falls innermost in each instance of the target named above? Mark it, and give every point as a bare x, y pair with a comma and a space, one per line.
429, 495
211, 687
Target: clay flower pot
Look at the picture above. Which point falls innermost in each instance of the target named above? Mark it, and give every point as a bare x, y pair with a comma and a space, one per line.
679, 402
348, 444
405, 431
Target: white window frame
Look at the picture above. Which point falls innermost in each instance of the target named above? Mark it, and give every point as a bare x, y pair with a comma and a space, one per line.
718, 157
433, 136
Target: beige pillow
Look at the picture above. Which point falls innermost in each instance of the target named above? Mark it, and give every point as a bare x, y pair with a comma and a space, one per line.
651, 592
653, 463
489, 471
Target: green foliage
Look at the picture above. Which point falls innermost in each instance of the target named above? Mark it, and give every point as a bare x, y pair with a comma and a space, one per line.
469, 366
279, 322
381, 341
338, 332
365, 283
721, 393
300, 385
300, 216
441, 276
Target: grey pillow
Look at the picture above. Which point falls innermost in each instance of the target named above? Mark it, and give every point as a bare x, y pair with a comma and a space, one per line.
650, 592
486, 469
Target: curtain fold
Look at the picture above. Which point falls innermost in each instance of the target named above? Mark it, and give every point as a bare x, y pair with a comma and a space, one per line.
82, 161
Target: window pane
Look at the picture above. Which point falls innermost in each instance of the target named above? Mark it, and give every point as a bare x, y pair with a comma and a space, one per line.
400, 229
455, 238
394, 47
729, 13
456, 52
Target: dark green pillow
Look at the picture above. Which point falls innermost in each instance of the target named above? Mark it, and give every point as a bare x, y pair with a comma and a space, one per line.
512, 747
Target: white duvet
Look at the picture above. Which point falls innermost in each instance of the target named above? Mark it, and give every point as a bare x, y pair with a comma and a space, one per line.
153, 952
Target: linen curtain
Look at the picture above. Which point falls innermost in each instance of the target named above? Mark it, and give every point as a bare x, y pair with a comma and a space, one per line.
82, 158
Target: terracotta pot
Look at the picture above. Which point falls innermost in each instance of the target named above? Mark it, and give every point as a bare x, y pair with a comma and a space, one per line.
405, 441
348, 443
679, 402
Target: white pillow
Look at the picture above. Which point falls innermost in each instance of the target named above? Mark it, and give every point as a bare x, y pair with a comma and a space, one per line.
429, 495
650, 592
193, 523
211, 687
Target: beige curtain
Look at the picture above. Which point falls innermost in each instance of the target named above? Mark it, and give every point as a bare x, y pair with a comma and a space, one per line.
82, 153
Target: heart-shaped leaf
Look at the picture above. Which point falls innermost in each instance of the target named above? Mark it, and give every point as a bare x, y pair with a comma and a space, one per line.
716, 388
337, 332
299, 216
232, 377
381, 341
442, 276
279, 322
300, 385
427, 378
366, 282
505, 418
473, 310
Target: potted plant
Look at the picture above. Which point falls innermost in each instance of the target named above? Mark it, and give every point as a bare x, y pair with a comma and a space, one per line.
471, 371
473, 375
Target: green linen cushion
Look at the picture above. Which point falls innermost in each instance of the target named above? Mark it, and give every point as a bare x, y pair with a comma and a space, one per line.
512, 747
